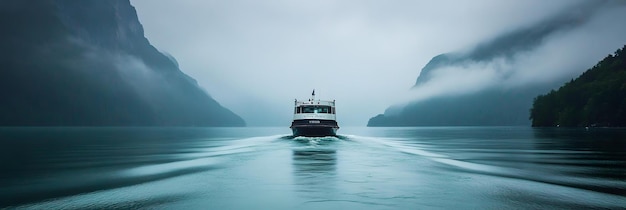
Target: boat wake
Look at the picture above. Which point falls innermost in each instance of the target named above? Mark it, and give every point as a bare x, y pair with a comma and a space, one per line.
459, 164
315, 141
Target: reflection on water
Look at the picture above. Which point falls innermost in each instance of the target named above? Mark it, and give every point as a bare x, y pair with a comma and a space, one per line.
581, 156
608, 140
264, 168
314, 163
47, 162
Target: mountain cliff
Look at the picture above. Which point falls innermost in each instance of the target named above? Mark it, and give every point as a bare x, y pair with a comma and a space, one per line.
87, 63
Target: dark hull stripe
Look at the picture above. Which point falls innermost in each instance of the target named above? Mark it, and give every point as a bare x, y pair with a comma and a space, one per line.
312, 131
314, 128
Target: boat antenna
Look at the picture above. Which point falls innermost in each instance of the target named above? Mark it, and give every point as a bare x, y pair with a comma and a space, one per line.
313, 95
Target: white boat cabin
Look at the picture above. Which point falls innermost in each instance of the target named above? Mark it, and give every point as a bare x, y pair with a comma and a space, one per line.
314, 109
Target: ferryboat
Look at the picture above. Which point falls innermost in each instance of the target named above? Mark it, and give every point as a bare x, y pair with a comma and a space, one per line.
314, 118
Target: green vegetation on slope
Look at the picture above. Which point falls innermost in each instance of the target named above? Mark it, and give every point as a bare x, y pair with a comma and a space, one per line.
595, 98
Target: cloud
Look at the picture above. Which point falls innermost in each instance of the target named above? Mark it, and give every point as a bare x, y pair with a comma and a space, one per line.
364, 54
549, 51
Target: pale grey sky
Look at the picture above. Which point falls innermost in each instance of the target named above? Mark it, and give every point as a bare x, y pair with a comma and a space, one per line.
255, 57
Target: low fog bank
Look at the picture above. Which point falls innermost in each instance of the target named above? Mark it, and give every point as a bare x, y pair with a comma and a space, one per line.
495, 82
551, 51
255, 57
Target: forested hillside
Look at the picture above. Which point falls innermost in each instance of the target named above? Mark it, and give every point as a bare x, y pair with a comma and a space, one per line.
595, 98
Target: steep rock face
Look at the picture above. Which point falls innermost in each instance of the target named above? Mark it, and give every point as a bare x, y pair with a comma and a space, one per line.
87, 63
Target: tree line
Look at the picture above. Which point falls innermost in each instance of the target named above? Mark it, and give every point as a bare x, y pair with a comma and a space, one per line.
595, 98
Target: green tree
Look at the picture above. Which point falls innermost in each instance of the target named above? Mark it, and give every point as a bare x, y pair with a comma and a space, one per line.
596, 98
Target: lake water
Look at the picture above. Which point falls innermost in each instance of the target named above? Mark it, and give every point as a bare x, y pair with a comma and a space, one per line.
266, 168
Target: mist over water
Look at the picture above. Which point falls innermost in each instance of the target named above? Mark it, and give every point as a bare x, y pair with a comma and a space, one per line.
527, 56
381, 48
364, 168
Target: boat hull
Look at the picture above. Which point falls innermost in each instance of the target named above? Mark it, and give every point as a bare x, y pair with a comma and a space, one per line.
314, 128
314, 131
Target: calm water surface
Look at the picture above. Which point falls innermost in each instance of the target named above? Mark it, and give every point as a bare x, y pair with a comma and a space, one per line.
266, 168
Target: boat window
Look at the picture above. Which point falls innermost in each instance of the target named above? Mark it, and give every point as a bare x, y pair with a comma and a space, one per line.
316, 109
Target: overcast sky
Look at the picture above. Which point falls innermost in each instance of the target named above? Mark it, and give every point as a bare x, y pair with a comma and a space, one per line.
255, 57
